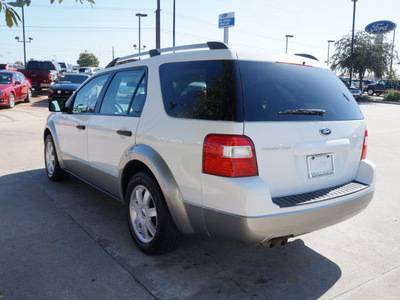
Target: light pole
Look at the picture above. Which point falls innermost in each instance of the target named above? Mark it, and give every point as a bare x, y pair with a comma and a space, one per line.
24, 41
21, 3
391, 60
287, 38
352, 41
140, 15
329, 42
158, 26
173, 27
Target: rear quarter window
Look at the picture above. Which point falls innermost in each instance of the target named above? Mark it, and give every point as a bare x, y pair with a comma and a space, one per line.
206, 90
272, 88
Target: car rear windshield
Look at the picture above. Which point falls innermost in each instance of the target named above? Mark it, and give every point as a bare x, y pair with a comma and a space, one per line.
287, 92
206, 90
40, 65
72, 79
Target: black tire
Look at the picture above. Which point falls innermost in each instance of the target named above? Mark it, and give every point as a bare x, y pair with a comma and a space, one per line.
150, 223
53, 169
29, 96
11, 100
370, 92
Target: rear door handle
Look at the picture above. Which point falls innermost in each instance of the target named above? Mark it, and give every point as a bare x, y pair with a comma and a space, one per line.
124, 132
83, 127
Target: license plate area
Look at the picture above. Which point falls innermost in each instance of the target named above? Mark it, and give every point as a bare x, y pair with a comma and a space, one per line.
320, 165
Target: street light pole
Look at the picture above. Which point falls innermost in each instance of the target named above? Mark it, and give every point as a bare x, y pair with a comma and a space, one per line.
352, 41
329, 42
158, 28
173, 27
391, 60
23, 34
140, 15
287, 38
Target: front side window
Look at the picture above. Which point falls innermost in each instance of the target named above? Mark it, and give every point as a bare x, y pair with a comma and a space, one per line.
206, 90
86, 98
20, 77
126, 93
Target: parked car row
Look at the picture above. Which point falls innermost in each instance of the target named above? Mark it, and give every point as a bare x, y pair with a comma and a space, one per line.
371, 87
14, 87
382, 86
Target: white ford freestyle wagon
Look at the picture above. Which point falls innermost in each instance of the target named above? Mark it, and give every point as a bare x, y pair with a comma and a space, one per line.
254, 148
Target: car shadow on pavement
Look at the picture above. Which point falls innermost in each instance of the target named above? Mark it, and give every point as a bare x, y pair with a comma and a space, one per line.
201, 268
41, 103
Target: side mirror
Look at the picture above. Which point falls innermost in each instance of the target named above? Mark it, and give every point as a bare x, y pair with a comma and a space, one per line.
17, 82
57, 105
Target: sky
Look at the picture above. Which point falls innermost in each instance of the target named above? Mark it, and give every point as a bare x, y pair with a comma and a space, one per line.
62, 31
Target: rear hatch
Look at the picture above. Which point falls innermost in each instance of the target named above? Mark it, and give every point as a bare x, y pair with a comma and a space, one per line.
307, 128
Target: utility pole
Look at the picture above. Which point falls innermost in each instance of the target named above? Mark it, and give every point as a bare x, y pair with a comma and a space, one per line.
158, 30
173, 28
352, 41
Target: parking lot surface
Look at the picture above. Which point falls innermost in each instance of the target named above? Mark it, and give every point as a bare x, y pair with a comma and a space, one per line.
69, 241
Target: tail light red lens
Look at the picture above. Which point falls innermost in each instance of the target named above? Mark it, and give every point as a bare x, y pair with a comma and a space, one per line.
229, 156
365, 146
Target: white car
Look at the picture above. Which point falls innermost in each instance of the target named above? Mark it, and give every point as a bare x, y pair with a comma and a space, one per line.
250, 147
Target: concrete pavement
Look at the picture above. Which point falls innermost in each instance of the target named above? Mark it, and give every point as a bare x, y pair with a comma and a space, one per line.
69, 241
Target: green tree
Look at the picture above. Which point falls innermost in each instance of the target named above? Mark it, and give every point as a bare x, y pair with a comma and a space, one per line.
12, 16
370, 54
88, 60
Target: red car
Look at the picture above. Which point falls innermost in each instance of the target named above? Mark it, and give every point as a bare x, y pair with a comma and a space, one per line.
11, 67
14, 86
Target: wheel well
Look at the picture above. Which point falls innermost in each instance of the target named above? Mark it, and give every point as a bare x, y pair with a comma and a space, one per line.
46, 133
130, 170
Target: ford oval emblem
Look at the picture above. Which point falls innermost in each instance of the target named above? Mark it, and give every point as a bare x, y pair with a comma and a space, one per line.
325, 131
380, 27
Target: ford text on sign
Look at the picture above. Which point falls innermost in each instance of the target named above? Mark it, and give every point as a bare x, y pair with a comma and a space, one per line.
380, 27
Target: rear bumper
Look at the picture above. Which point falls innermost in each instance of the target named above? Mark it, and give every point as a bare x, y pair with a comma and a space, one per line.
294, 223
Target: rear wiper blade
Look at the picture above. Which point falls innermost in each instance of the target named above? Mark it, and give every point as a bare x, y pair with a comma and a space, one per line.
319, 112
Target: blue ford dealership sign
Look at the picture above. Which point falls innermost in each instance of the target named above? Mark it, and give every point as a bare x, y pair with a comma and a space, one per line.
226, 20
380, 27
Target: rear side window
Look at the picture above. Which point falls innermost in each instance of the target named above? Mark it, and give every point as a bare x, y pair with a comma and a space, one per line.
285, 92
206, 90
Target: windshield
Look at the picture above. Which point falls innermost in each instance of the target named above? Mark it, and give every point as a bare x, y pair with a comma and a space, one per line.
72, 79
5, 78
286, 92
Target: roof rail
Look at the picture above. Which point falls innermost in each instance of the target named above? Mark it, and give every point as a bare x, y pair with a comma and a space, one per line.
155, 52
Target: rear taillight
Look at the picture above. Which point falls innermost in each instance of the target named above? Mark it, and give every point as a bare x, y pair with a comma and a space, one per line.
229, 156
365, 145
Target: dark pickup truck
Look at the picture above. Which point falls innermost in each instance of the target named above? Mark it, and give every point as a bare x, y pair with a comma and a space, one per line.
383, 86
42, 74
